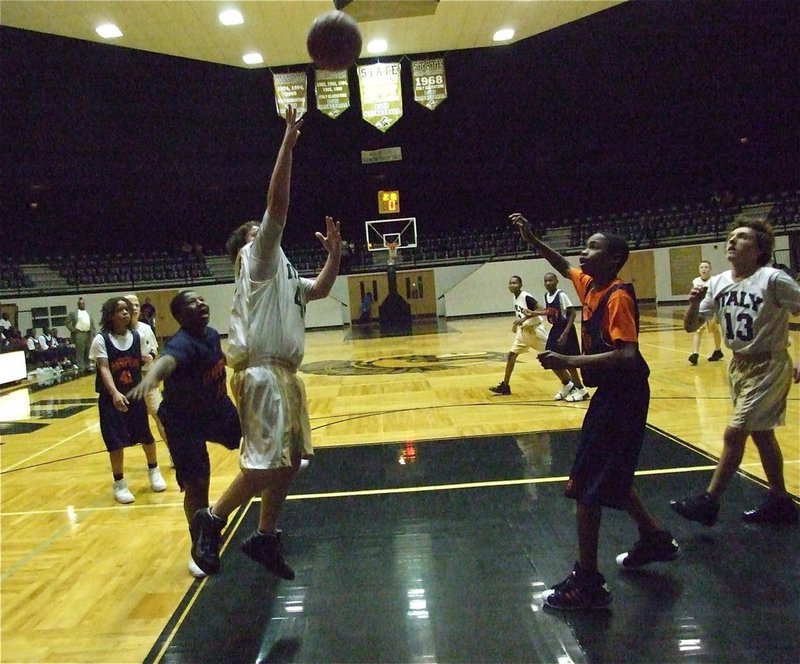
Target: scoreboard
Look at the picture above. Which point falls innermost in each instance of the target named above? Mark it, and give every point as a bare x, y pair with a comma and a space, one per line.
388, 202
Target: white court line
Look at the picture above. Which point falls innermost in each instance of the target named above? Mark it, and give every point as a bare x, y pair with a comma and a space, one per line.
91, 427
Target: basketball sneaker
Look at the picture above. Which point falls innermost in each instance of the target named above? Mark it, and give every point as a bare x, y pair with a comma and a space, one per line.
501, 388
157, 482
206, 533
578, 394
564, 391
195, 570
716, 356
579, 591
122, 494
659, 547
703, 508
693, 358
266, 551
775, 509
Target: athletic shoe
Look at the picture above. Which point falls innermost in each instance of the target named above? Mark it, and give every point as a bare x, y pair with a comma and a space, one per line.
579, 591
206, 532
195, 570
266, 551
157, 482
578, 394
501, 388
716, 356
659, 547
564, 391
122, 494
703, 508
775, 509
693, 358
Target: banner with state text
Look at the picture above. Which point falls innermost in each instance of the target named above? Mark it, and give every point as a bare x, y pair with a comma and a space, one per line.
381, 95
430, 83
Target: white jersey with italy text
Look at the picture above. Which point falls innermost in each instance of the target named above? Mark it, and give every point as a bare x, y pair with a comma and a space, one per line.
754, 312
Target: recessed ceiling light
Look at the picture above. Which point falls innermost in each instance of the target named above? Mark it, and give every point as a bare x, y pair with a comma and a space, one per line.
503, 35
231, 17
377, 46
108, 31
252, 58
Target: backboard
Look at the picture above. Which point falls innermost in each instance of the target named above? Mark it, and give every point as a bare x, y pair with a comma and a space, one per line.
382, 232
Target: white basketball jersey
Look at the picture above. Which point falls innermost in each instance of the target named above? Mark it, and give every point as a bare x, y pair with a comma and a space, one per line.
754, 312
698, 282
520, 303
268, 317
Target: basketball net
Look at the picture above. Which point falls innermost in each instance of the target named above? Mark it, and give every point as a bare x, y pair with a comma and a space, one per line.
392, 247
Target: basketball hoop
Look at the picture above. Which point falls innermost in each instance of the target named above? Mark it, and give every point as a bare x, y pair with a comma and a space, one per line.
392, 247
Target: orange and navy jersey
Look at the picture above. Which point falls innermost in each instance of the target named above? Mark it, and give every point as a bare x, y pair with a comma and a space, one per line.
619, 321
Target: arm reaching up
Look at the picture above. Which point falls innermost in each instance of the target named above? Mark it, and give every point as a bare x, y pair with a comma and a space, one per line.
559, 263
332, 241
268, 238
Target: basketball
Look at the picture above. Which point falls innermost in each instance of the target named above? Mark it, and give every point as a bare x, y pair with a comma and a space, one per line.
334, 41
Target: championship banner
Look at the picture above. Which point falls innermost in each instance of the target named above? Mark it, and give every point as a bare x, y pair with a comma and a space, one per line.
381, 97
430, 84
291, 89
333, 92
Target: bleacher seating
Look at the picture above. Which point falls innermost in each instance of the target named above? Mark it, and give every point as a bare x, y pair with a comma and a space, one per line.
657, 227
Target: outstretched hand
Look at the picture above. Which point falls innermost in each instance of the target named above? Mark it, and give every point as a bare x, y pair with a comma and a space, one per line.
332, 240
293, 124
523, 224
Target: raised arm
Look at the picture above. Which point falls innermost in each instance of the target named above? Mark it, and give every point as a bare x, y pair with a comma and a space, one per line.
559, 263
268, 237
332, 241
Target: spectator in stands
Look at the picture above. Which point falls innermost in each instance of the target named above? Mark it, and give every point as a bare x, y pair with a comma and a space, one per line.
15, 339
31, 342
5, 324
82, 328
64, 350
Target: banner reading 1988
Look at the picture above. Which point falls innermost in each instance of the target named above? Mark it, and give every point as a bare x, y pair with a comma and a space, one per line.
430, 84
381, 98
291, 89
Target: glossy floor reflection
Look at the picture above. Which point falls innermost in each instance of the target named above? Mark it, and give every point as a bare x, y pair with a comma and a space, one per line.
438, 552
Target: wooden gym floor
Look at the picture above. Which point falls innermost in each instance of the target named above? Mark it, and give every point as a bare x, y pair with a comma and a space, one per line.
425, 529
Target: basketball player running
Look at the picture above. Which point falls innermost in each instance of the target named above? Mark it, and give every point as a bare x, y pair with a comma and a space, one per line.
562, 338
701, 281
752, 303
267, 339
528, 327
613, 429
